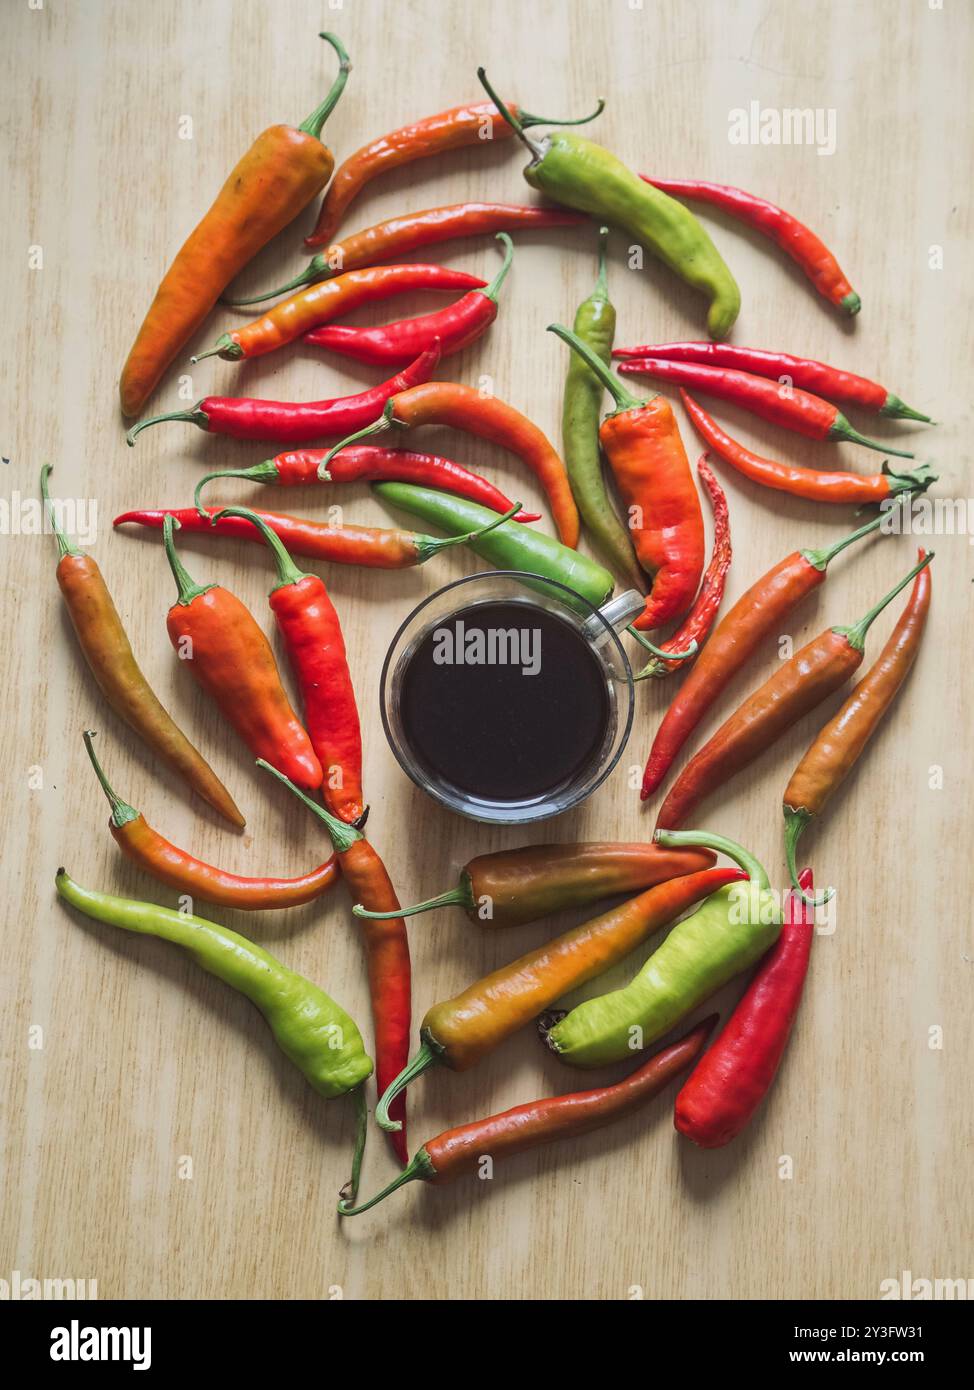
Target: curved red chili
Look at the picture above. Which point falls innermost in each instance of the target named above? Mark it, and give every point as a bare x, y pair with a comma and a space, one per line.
455, 327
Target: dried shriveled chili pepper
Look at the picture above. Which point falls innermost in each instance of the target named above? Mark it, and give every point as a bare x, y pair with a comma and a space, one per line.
278, 176
231, 659
726, 935
810, 483
458, 128
515, 886
295, 422
386, 950
837, 747
460, 1032
370, 546
369, 463
465, 408
595, 323
573, 170
801, 683
671, 654
837, 386
794, 238
312, 1031
178, 869
757, 613
108, 652
729, 1083
786, 406
642, 443
313, 639
459, 1152
290, 319
506, 546
413, 230
453, 328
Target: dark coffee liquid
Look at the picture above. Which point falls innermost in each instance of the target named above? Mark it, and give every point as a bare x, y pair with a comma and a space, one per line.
505, 702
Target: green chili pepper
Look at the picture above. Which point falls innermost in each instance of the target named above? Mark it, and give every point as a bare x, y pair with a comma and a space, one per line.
583, 175
595, 324
312, 1031
725, 935
509, 546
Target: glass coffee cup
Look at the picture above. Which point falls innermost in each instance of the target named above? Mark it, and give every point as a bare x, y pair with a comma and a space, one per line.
507, 697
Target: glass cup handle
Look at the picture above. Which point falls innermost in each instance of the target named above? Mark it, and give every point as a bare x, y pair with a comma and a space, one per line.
618, 613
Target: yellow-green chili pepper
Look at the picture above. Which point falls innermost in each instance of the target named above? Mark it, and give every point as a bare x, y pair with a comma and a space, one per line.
583, 175
725, 935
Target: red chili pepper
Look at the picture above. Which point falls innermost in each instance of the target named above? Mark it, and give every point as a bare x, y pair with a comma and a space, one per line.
842, 388
290, 319
703, 614
228, 655
315, 646
801, 683
477, 125
417, 229
756, 614
372, 546
371, 464
290, 422
642, 443
812, 484
794, 238
454, 328
782, 405
465, 408
733, 1077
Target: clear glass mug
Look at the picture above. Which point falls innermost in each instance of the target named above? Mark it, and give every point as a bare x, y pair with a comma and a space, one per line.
597, 629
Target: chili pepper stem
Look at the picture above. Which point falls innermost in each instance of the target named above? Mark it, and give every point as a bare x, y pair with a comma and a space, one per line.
692, 650
842, 429
493, 289
705, 839
122, 812
796, 818
820, 559
315, 267
264, 472
856, 634
453, 897
520, 125
63, 544
287, 570
314, 123
428, 546
186, 586
851, 302
899, 410
343, 836
385, 421
623, 398
419, 1168
358, 1152
224, 347
426, 1056
193, 416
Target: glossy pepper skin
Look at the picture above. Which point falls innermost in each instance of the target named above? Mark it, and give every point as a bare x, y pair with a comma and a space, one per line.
642, 443
726, 1087
797, 687
231, 659
461, 1031
278, 176
814, 484
459, 1152
458, 128
508, 546
487, 417
726, 935
178, 869
595, 324
756, 614
836, 749
108, 652
517, 886
572, 170
312, 1031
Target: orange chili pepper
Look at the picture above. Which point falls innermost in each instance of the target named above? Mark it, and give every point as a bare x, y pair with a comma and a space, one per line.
178, 869
278, 176
464, 408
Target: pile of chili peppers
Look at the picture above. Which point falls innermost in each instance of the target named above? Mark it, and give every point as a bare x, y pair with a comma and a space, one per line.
656, 543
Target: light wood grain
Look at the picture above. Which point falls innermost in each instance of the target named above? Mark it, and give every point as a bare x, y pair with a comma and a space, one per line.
143, 1060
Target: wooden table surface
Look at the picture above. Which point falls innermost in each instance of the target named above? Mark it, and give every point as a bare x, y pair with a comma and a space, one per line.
153, 1137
